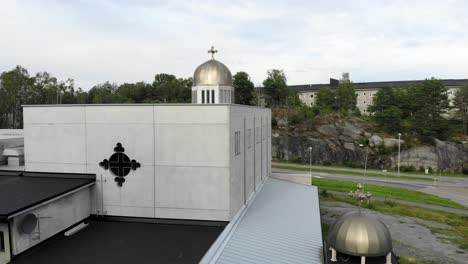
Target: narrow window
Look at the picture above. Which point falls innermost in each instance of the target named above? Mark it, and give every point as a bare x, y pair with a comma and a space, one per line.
212, 97
207, 96
2, 242
236, 143
203, 96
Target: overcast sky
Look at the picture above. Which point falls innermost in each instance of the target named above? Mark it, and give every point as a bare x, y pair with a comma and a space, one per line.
93, 41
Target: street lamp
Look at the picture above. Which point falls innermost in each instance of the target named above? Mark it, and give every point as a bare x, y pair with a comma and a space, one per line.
310, 161
399, 140
365, 163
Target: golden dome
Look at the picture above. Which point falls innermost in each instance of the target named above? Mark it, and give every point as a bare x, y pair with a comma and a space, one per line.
212, 72
357, 234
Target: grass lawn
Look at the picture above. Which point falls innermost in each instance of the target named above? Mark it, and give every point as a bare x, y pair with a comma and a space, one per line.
458, 222
368, 174
384, 191
370, 170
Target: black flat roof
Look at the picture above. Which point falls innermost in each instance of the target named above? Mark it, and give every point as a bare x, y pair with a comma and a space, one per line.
125, 242
20, 190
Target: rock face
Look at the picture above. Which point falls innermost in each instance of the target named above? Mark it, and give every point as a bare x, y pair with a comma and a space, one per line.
338, 143
444, 155
392, 142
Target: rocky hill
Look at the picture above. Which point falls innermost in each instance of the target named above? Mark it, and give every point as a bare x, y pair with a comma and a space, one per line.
336, 140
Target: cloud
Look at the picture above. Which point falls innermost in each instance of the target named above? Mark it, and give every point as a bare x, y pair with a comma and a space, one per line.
129, 41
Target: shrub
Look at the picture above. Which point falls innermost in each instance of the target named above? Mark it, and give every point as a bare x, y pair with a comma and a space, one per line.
407, 168
326, 163
465, 170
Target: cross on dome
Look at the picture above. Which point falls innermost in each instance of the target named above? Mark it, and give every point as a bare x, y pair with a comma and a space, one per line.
212, 51
360, 194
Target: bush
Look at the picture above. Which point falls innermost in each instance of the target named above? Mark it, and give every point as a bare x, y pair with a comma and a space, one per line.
326, 163
465, 170
352, 164
274, 123
407, 168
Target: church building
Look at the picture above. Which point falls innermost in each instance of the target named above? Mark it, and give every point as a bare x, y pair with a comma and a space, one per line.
154, 183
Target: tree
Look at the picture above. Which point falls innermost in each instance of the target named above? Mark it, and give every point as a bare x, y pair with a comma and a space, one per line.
326, 100
460, 103
167, 88
386, 109
244, 89
346, 97
276, 88
430, 104
104, 93
16, 89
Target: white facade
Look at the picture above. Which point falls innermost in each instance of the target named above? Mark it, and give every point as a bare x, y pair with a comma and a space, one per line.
198, 162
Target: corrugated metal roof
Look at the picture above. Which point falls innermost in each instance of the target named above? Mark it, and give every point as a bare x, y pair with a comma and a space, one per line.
281, 225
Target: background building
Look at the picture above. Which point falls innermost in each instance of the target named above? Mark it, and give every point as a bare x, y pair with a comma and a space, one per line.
367, 90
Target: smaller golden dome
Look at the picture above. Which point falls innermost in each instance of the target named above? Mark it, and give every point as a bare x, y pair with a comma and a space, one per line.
357, 234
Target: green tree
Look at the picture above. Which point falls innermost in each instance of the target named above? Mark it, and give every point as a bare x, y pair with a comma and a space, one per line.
430, 104
386, 109
167, 88
16, 89
346, 97
244, 89
326, 100
104, 93
460, 103
276, 88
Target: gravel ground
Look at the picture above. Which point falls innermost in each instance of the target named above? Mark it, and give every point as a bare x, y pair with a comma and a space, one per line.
411, 236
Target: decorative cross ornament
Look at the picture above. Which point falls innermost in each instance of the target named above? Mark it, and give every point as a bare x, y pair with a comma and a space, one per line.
360, 195
212, 51
119, 164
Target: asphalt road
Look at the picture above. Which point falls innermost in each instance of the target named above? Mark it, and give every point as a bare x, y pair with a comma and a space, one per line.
454, 188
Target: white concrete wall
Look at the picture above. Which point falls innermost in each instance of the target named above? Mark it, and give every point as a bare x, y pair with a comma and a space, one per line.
184, 151
249, 167
54, 217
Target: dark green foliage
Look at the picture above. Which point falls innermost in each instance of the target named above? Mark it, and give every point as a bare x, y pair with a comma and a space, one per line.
326, 163
418, 109
465, 170
244, 88
346, 98
326, 100
406, 168
342, 100
276, 89
301, 114
18, 88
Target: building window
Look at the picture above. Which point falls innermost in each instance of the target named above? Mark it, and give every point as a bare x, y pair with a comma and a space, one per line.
228, 97
249, 138
2, 242
212, 97
237, 143
203, 96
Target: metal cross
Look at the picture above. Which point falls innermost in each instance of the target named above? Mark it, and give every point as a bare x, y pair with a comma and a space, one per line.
212, 51
360, 195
